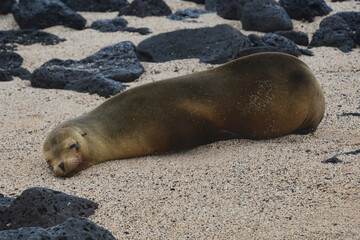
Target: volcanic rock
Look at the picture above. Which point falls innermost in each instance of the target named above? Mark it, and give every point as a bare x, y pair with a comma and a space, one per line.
40, 14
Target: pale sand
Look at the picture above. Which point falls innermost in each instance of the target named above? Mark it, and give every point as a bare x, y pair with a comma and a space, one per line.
238, 189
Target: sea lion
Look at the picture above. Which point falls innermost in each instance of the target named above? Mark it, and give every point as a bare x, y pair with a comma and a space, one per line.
260, 96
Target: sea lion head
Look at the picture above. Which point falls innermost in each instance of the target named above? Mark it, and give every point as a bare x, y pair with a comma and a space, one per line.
65, 150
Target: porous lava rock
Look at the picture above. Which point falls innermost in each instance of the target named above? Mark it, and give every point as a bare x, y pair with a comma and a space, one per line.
297, 37
215, 45
101, 73
9, 39
230, 9
351, 18
145, 8
271, 42
116, 24
5, 202
40, 14
334, 32
196, 1
264, 16
10, 65
72, 228
6, 6
305, 9
187, 13
210, 5
96, 5
42, 207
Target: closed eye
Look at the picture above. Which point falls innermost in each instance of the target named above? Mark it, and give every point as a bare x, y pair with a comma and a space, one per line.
72, 146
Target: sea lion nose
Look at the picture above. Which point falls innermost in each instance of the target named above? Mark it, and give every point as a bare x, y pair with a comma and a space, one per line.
62, 166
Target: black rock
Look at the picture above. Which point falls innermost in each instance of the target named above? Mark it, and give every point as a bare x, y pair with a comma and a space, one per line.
39, 14
145, 8
264, 16
10, 65
351, 18
5, 76
230, 9
8, 39
73, 228
211, 5
100, 73
357, 36
188, 13
271, 42
305, 9
275, 40
5, 202
299, 38
334, 32
116, 24
96, 5
196, 1
332, 160
215, 45
42, 207
6, 6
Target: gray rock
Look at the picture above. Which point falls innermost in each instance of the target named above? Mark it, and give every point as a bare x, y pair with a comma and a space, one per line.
73, 228
40, 14
215, 45
100, 73
187, 13
351, 18
5, 202
9, 39
264, 16
10, 65
305, 9
334, 32
145, 8
210, 5
6, 6
96, 5
299, 38
230, 9
43, 207
116, 24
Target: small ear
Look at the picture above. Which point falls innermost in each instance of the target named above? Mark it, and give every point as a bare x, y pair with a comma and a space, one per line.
84, 134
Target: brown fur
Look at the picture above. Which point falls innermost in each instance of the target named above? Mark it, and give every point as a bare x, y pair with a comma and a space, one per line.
260, 96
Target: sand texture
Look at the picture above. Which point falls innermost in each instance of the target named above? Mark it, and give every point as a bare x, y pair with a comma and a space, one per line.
236, 189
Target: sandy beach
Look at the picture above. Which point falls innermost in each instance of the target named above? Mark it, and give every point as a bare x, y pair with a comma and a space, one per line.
235, 189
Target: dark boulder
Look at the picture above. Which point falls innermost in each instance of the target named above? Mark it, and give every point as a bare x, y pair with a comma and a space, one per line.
275, 40
196, 1
215, 45
334, 32
100, 73
42, 207
305, 9
73, 228
145, 8
299, 38
230, 9
115, 25
5, 201
96, 5
10, 65
40, 14
187, 13
265, 16
352, 19
210, 5
6, 6
9, 39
